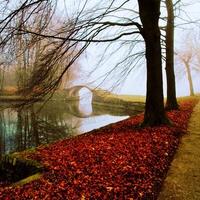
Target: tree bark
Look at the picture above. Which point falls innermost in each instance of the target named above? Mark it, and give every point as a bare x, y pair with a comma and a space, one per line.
154, 109
172, 103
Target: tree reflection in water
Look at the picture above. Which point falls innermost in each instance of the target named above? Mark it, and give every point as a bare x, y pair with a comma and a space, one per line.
30, 127
27, 128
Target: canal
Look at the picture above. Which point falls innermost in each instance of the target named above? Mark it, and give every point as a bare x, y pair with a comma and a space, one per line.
45, 123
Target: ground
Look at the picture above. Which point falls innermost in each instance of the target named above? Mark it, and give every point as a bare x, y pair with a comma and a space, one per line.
118, 161
183, 179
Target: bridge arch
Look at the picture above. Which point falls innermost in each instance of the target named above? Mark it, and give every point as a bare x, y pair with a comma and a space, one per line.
83, 93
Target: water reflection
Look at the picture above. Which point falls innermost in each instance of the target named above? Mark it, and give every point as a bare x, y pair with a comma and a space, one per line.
28, 128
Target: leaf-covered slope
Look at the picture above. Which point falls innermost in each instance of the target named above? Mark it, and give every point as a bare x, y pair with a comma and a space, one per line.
114, 162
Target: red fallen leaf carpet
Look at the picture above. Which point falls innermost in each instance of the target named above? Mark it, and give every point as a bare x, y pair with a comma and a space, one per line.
114, 162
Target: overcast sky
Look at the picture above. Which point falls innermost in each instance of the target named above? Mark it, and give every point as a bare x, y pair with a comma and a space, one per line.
136, 81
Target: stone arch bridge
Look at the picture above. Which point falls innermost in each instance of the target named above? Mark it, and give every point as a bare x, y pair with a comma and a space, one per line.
84, 93
87, 92
74, 92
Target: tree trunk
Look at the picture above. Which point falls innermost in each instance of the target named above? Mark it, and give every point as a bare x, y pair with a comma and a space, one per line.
171, 85
154, 108
189, 78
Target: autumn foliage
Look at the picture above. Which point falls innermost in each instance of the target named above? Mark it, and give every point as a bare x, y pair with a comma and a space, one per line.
118, 161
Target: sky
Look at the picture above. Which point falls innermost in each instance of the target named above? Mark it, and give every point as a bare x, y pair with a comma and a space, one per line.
135, 83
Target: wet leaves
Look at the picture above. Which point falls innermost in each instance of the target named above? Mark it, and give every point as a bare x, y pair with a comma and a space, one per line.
115, 162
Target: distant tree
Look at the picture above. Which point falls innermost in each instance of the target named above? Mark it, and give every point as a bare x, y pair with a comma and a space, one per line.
2, 76
3, 70
195, 45
30, 34
189, 56
186, 62
186, 59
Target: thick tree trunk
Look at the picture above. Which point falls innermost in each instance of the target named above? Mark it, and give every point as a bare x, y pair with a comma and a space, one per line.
154, 108
171, 85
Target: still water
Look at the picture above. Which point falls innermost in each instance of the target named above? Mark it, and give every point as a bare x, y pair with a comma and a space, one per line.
22, 129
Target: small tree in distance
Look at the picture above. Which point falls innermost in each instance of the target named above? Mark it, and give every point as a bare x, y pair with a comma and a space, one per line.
188, 60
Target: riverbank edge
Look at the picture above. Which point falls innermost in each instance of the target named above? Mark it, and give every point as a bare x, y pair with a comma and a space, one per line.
135, 103
14, 168
8, 162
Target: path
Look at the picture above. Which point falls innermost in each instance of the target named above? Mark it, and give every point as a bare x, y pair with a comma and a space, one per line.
183, 179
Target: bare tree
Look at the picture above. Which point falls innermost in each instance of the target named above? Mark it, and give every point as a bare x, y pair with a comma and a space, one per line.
13, 41
175, 11
172, 103
2, 72
154, 109
189, 56
196, 59
100, 24
186, 59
